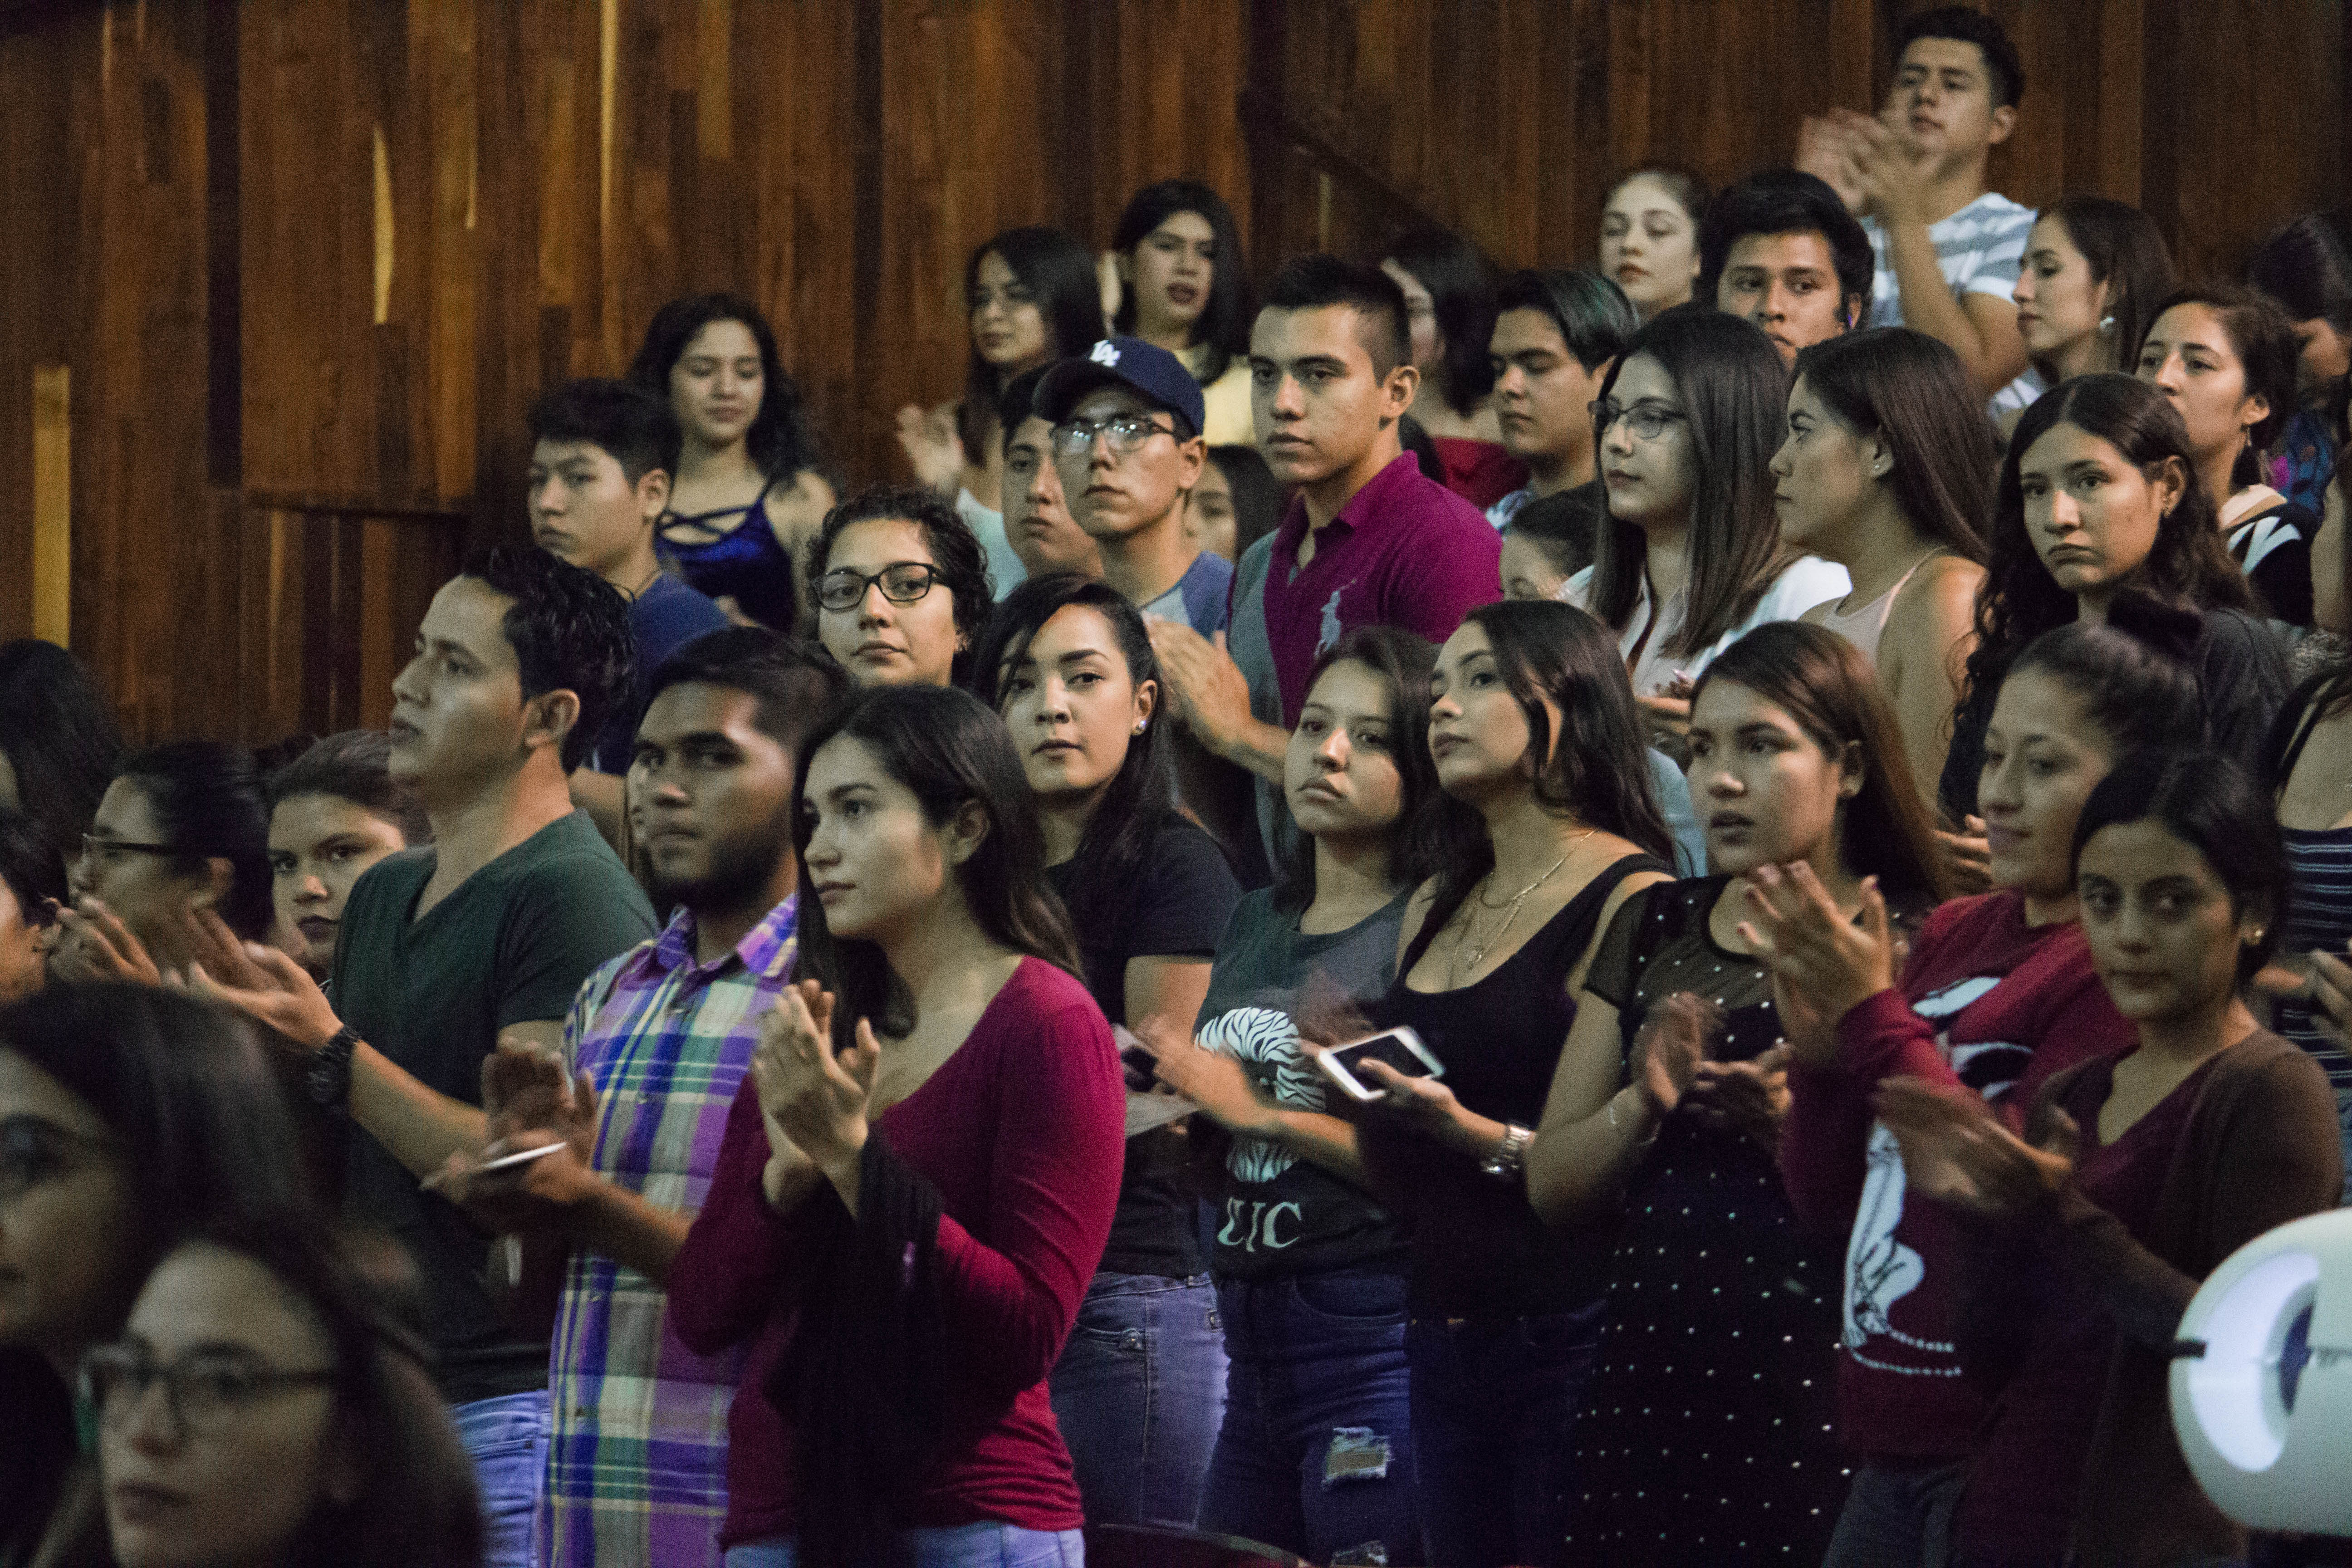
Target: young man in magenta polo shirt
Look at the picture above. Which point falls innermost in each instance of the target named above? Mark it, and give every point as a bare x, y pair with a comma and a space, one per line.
1368, 539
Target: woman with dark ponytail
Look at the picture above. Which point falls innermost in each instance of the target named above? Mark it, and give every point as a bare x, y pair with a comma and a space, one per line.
918, 1176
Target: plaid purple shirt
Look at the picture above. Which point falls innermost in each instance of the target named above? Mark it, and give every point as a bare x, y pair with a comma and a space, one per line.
636, 1472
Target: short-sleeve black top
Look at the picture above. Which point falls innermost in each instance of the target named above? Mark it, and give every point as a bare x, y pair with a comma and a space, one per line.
1184, 894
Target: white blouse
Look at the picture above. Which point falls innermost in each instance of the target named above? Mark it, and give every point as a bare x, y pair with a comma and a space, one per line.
1807, 580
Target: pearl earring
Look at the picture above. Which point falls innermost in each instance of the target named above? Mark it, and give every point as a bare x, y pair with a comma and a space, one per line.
1140, 724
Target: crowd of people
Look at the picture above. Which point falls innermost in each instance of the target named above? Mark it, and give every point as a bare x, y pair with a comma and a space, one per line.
1819, 749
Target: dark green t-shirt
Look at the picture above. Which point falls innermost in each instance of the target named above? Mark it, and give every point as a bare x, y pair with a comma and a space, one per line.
1277, 1214
511, 945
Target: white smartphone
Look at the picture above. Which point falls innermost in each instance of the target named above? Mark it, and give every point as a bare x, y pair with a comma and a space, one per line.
1399, 1048
519, 1157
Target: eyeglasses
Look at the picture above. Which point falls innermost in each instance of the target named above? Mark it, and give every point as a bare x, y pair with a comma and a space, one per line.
902, 583
1648, 419
115, 851
1126, 434
33, 1150
202, 1391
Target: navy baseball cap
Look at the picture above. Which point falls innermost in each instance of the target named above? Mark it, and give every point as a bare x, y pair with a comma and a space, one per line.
1146, 368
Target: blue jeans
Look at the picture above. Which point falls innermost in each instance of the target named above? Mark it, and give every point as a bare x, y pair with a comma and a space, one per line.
984, 1545
1139, 1393
1493, 1399
1316, 1455
506, 1440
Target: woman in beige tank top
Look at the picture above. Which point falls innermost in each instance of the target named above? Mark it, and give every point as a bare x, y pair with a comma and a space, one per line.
1886, 468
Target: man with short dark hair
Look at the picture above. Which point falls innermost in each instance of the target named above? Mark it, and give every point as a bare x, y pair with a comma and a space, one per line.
1779, 248
467, 952
602, 456
1126, 419
1368, 539
1037, 521
663, 1037
1948, 249
1556, 335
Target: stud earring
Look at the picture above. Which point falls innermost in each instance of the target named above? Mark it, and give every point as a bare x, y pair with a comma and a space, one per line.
2107, 326
1140, 723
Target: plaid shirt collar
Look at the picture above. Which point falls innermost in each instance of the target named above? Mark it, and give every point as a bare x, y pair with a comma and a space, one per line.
765, 951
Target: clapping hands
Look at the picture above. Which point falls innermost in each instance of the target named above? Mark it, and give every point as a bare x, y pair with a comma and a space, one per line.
812, 1100
1956, 1151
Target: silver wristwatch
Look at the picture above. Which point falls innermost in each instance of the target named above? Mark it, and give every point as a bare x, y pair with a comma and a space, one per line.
1508, 1164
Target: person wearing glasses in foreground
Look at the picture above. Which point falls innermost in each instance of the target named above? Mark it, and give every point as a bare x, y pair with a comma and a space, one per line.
129, 1115
902, 588
264, 1404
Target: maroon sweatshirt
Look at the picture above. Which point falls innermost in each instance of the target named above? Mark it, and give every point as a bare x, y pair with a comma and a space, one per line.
1022, 1131
1988, 1002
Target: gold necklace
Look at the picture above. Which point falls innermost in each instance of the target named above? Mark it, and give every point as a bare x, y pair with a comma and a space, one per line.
1456, 969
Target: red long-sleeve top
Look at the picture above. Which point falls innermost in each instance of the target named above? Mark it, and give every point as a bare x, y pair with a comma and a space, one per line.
1987, 1003
1020, 1131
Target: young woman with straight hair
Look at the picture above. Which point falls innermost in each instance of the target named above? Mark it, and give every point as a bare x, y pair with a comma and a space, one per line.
918, 1176
1887, 469
1664, 1113
2094, 272
1068, 664
1534, 731
1691, 556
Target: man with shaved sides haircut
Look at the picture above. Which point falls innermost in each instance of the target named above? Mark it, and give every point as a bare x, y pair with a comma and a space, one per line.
459, 962
1368, 539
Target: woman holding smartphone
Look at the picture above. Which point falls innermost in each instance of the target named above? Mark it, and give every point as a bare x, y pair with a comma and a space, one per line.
1666, 1109
1310, 1266
1532, 727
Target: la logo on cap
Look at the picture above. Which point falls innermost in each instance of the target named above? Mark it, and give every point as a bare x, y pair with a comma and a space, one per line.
1105, 352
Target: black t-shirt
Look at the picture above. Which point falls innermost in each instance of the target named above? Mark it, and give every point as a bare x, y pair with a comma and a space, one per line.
510, 945
1184, 893
1277, 1214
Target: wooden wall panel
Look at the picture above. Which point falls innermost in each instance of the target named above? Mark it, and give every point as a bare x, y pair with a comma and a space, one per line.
304, 263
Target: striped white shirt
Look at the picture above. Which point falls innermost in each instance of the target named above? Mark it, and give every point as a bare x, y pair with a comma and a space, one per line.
1979, 249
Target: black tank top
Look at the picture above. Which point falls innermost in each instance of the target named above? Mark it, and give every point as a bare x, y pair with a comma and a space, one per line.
1478, 1250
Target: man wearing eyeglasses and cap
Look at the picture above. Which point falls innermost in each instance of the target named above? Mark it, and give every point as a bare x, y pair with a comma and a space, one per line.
1127, 418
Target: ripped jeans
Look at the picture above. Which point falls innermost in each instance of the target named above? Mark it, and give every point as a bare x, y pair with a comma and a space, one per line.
1316, 1452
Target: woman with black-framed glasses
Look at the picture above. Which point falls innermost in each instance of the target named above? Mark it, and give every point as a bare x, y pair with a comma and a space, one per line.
1690, 556
902, 588
129, 1115
261, 1407
183, 827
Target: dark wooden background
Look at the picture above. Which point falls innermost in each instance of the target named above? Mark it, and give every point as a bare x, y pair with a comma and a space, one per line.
279, 277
